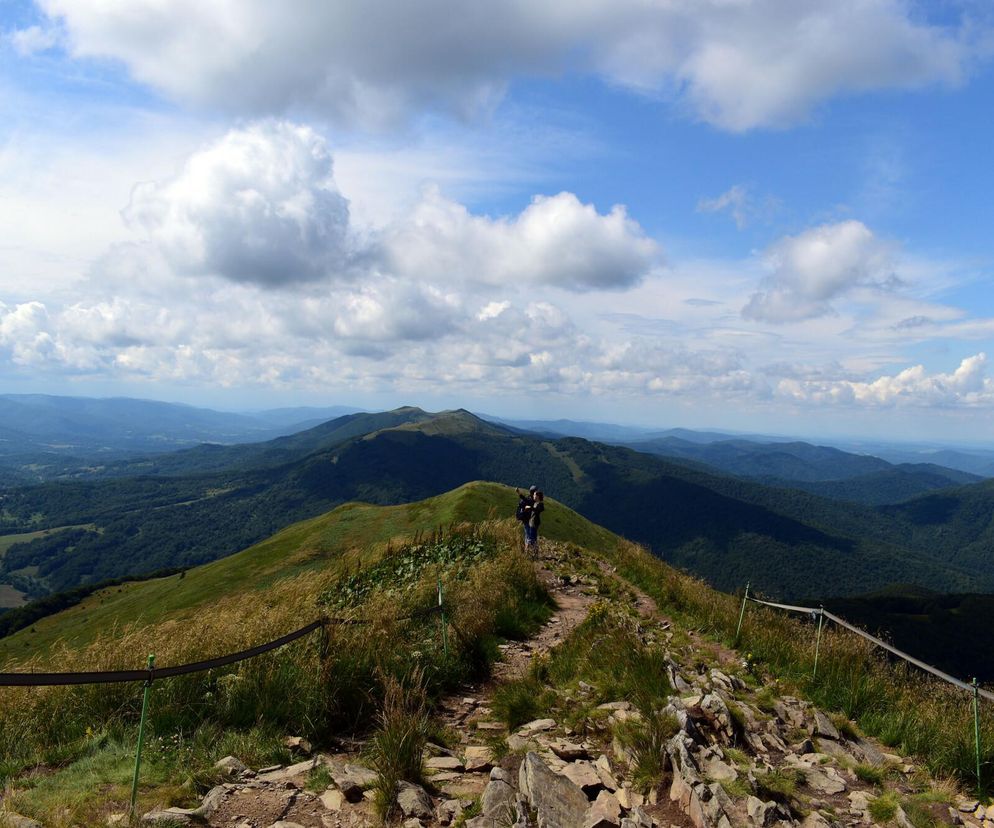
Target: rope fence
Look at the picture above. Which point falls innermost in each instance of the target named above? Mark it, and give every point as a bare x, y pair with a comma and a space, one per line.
151, 672
821, 614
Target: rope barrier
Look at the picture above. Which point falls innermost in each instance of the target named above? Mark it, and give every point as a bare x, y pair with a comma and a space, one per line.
928, 668
152, 673
821, 613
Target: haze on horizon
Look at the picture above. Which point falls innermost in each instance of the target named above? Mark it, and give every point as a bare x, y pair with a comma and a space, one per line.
766, 216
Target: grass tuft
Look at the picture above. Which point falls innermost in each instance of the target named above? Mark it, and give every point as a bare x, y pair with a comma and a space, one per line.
396, 750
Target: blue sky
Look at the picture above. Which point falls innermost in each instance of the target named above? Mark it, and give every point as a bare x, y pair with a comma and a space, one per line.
769, 215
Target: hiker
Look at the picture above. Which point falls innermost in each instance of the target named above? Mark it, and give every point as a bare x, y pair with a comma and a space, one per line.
535, 519
526, 504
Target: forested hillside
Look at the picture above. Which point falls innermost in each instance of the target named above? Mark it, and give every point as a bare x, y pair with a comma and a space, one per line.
728, 530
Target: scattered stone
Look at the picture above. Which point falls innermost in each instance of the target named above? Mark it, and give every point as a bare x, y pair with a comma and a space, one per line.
113, 820
859, 802
604, 813
718, 770
558, 803
170, 817
615, 705
871, 753
761, 813
815, 820
538, 726
629, 799
954, 817
603, 768
231, 767
901, 818
283, 823
498, 798
413, 801
568, 751
413, 823
478, 758
489, 726
18, 821
449, 811
297, 745
352, 780
824, 728
584, 775
444, 763
333, 800
968, 806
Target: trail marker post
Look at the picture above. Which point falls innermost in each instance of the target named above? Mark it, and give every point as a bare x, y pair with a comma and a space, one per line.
821, 620
441, 613
742, 613
141, 738
976, 730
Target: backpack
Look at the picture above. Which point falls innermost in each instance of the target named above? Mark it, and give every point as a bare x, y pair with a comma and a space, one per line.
521, 513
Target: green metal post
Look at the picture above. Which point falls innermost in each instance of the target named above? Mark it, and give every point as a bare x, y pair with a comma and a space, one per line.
821, 620
441, 612
141, 740
742, 613
976, 730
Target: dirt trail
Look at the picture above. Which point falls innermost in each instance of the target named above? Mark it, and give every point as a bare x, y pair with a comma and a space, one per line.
281, 795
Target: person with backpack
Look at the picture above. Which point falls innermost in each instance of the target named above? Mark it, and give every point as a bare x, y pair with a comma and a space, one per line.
529, 512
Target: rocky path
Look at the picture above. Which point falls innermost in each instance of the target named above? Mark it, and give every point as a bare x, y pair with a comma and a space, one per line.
739, 753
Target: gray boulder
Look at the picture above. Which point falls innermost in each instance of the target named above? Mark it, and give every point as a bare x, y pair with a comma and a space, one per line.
557, 802
414, 801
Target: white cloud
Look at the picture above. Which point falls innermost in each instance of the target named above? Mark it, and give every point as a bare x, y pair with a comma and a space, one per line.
556, 240
743, 206
737, 65
259, 205
34, 39
811, 269
968, 385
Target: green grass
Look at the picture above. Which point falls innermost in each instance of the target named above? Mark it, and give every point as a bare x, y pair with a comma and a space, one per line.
304, 688
348, 537
871, 774
894, 702
883, 808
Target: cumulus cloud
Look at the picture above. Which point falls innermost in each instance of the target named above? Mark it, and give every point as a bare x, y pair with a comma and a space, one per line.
968, 385
556, 240
735, 65
811, 269
259, 205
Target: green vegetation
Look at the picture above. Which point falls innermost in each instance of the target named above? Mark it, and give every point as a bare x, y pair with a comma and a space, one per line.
196, 506
340, 542
872, 774
396, 750
646, 738
895, 702
345, 683
884, 808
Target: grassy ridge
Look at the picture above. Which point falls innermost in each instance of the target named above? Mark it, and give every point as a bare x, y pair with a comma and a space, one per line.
318, 687
351, 534
901, 705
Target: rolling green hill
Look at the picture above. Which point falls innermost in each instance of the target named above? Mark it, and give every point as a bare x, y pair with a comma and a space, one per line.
329, 540
726, 529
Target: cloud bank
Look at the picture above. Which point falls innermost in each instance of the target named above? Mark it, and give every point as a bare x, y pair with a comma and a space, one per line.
737, 65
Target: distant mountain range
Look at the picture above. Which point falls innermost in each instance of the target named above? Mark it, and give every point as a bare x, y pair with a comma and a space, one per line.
42, 437
197, 505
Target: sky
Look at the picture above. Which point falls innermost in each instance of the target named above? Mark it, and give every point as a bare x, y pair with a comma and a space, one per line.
764, 215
